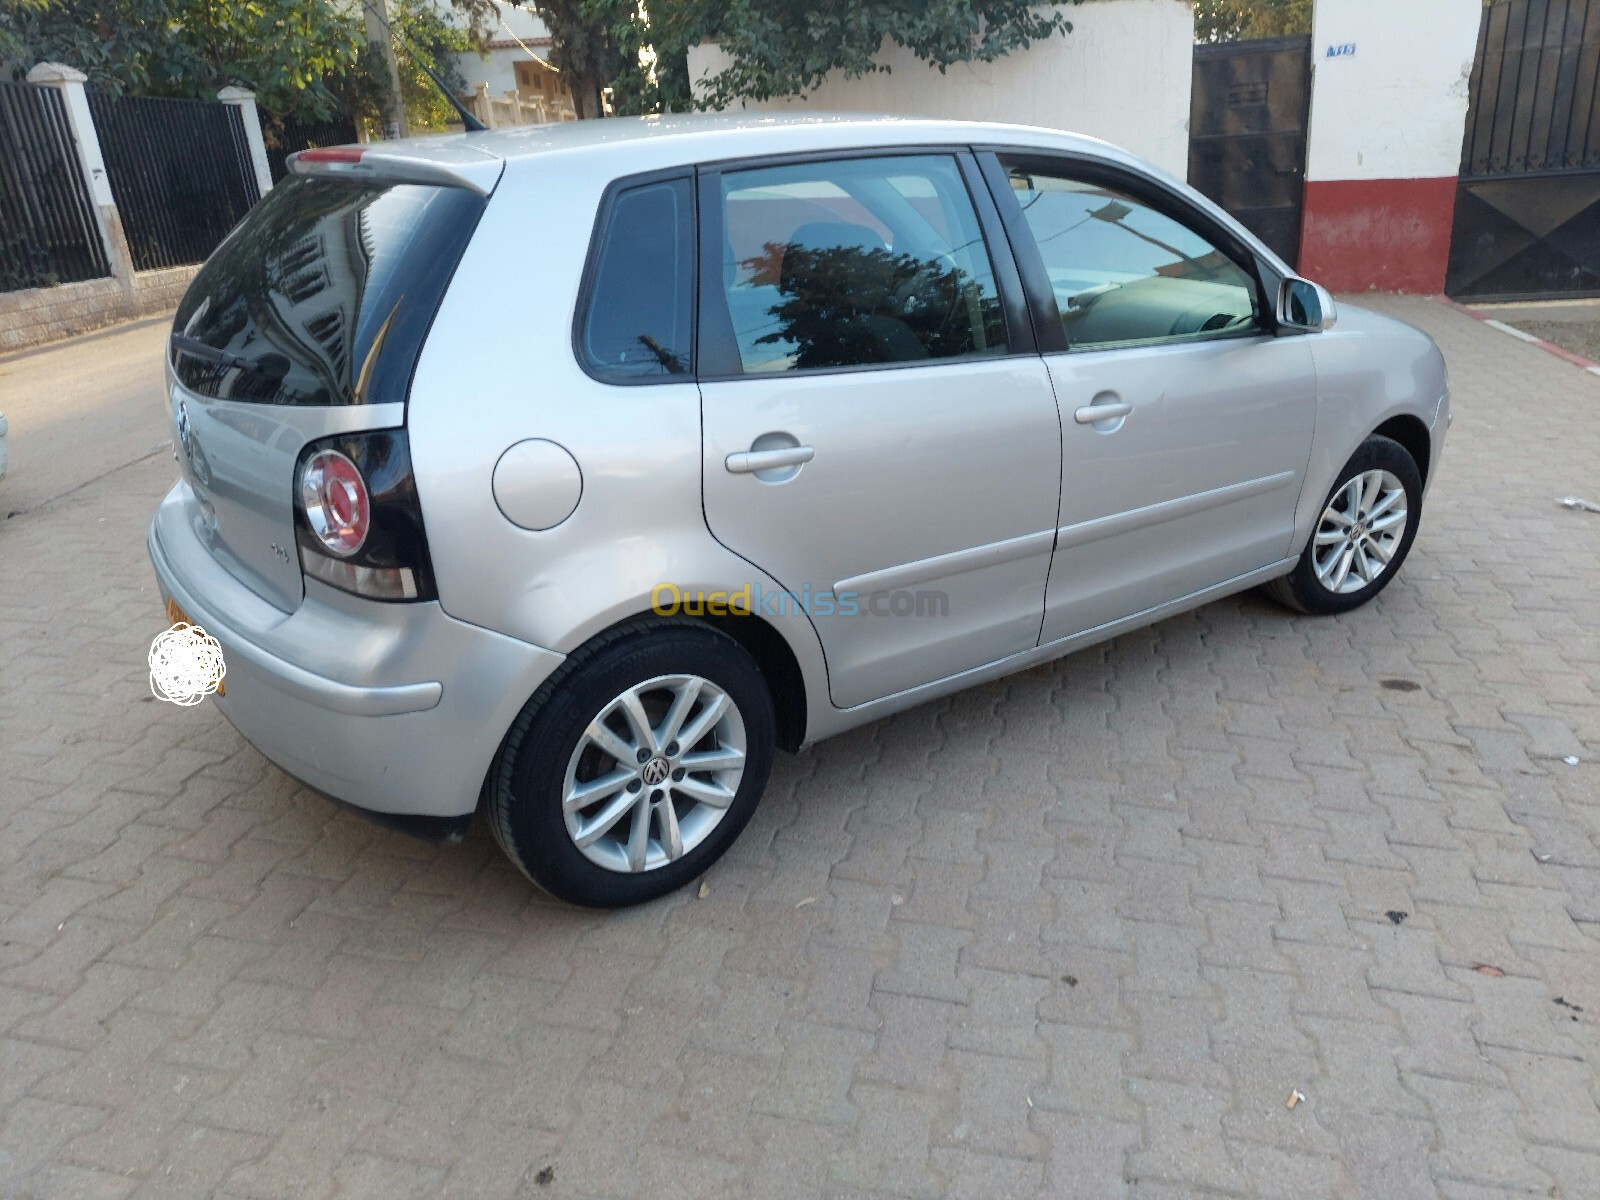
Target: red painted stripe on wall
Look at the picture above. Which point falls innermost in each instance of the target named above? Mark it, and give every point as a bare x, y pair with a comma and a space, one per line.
1388, 234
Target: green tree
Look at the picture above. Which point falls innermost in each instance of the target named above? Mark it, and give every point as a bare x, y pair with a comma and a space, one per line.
589, 49
1238, 20
286, 51
304, 59
783, 49
638, 48
422, 37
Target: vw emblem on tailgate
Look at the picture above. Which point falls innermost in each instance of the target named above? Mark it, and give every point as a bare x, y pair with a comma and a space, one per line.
190, 442
183, 429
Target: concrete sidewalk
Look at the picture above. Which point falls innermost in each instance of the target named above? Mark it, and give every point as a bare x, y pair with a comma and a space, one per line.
1081, 932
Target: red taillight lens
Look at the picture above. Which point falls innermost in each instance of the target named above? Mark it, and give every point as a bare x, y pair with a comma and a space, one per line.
358, 522
336, 504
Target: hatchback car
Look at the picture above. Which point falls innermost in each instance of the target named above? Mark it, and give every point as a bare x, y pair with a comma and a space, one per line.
566, 472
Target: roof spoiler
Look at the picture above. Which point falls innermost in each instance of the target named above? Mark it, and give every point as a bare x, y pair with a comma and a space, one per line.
470, 169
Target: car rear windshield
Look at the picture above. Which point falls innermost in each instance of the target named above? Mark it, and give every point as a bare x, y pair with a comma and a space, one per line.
324, 293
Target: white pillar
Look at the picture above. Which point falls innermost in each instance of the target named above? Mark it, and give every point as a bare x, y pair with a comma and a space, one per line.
245, 101
69, 82
1388, 112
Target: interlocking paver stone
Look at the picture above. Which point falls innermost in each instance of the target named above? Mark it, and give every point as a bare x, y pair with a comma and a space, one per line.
1076, 933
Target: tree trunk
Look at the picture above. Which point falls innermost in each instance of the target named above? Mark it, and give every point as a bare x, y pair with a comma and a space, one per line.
586, 97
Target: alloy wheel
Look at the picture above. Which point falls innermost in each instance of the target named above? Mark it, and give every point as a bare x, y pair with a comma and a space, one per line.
1360, 532
654, 773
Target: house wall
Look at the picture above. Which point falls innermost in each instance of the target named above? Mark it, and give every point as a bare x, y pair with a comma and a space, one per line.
1122, 74
1388, 110
496, 69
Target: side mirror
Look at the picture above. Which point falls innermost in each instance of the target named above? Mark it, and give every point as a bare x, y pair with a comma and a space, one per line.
1306, 306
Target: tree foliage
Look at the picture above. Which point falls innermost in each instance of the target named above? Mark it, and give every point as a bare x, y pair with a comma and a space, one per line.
591, 40
783, 49
306, 59
1238, 20
286, 51
638, 48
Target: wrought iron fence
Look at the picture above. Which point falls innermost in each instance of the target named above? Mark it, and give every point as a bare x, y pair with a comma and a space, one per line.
48, 232
293, 136
180, 172
1535, 89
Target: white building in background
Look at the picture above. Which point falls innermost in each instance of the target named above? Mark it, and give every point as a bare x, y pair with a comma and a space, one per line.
1123, 74
516, 75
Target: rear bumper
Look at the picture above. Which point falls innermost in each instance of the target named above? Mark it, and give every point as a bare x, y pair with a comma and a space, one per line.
392, 708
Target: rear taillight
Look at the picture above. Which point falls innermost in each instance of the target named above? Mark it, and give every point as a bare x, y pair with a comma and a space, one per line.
357, 519
334, 498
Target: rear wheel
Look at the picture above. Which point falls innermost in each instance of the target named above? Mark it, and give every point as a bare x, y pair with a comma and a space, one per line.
632, 770
1363, 535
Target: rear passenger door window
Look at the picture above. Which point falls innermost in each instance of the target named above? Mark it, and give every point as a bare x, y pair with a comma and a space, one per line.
1123, 272
854, 263
637, 319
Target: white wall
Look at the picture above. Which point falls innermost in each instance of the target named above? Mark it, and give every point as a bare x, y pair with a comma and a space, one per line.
497, 70
1122, 74
1393, 109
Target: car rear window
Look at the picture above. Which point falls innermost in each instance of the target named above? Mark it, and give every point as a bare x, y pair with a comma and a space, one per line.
324, 293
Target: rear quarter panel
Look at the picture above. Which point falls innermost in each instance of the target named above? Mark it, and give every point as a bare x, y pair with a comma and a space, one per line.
499, 368
1370, 368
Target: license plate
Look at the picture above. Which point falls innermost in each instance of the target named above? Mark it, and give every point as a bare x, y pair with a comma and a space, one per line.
176, 616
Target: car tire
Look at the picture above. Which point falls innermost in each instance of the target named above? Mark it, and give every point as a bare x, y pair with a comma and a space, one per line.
1351, 555
560, 774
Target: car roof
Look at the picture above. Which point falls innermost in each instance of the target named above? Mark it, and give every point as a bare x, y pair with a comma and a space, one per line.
700, 137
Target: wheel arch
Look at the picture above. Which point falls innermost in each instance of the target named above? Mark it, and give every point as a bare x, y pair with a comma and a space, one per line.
775, 658
1413, 435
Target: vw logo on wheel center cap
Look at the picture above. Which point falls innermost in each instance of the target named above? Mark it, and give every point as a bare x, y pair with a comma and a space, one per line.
655, 771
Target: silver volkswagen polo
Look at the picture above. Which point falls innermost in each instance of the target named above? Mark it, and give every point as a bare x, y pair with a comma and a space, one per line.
563, 473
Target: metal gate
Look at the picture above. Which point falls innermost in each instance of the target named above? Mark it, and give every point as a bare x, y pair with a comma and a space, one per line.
180, 172
1247, 133
1527, 222
48, 232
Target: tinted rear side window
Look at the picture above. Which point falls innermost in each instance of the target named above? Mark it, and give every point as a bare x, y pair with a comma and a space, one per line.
638, 324
325, 293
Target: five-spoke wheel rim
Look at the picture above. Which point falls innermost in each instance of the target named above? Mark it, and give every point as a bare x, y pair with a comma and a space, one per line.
654, 773
1360, 532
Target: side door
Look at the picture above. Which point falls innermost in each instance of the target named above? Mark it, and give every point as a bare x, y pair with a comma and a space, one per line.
880, 435
1186, 421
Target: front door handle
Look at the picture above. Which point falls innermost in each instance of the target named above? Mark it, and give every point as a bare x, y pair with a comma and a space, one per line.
753, 462
1091, 414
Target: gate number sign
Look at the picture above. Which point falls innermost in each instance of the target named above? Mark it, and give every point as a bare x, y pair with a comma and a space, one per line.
1345, 50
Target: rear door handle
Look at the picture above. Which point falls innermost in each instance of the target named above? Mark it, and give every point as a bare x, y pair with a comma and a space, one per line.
749, 462
1091, 414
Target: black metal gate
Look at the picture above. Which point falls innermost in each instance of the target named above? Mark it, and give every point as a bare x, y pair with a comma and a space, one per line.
1527, 220
180, 172
48, 231
1247, 133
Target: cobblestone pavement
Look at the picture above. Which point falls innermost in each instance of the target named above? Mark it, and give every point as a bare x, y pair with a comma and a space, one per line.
1077, 933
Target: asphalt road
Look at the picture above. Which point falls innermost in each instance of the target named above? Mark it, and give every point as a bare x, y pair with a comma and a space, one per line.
80, 409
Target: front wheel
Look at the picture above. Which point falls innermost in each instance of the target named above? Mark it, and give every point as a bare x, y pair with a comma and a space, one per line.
1365, 532
634, 769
